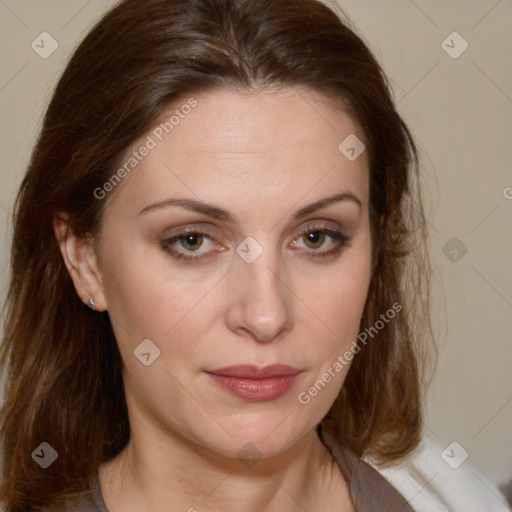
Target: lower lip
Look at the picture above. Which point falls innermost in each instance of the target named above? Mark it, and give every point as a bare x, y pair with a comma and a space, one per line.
256, 390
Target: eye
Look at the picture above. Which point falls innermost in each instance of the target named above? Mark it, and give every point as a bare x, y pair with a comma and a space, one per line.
317, 241
191, 246
192, 241
314, 239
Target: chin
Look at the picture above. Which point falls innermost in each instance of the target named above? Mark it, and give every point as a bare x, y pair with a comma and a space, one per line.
258, 436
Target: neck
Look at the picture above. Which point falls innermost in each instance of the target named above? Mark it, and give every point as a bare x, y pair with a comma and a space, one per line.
151, 473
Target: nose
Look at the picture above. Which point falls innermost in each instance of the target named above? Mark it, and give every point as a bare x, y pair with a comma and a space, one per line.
260, 303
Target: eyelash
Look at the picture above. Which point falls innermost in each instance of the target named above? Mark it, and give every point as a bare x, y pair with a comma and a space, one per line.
179, 255
341, 239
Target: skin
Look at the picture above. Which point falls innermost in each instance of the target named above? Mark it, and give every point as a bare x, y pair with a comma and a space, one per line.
262, 157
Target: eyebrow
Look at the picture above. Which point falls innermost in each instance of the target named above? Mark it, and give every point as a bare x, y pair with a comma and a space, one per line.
223, 215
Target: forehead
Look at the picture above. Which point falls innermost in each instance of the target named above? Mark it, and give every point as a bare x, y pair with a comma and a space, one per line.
225, 144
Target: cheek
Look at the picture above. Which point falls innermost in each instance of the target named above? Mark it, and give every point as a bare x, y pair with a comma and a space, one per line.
142, 295
338, 302
146, 300
339, 298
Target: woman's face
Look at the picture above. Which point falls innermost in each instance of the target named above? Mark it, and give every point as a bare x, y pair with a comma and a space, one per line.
240, 238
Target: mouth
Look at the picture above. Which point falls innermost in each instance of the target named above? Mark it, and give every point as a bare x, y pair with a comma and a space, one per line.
256, 384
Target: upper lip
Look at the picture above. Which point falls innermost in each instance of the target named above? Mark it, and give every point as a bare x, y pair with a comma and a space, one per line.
253, 372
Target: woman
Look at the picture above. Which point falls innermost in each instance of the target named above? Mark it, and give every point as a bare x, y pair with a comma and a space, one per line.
218, 270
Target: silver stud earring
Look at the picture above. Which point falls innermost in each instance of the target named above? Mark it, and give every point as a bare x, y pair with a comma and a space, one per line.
91, 304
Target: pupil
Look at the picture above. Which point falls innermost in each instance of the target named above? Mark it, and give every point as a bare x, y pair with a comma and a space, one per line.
315, 237
193, 241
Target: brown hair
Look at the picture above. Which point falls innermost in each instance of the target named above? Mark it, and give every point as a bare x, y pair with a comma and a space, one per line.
61, 361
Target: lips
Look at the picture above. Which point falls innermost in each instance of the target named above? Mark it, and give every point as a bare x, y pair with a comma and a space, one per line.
255, 384
253, 372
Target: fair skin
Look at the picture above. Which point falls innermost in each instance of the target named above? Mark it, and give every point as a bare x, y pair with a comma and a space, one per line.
262, 157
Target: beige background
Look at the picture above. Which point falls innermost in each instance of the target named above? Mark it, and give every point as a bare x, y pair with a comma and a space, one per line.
459, 109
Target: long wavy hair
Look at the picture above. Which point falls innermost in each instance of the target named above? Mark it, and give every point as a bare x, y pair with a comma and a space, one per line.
60, 360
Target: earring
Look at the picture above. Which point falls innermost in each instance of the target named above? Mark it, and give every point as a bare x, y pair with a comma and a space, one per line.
91, 304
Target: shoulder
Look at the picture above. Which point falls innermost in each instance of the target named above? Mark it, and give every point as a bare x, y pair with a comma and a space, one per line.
370, 491
85, 501
435, 483
82, 504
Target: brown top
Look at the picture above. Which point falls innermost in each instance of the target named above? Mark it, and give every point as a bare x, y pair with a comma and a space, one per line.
370, 491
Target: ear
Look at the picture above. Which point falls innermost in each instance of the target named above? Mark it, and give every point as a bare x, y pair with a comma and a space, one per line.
80, 259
